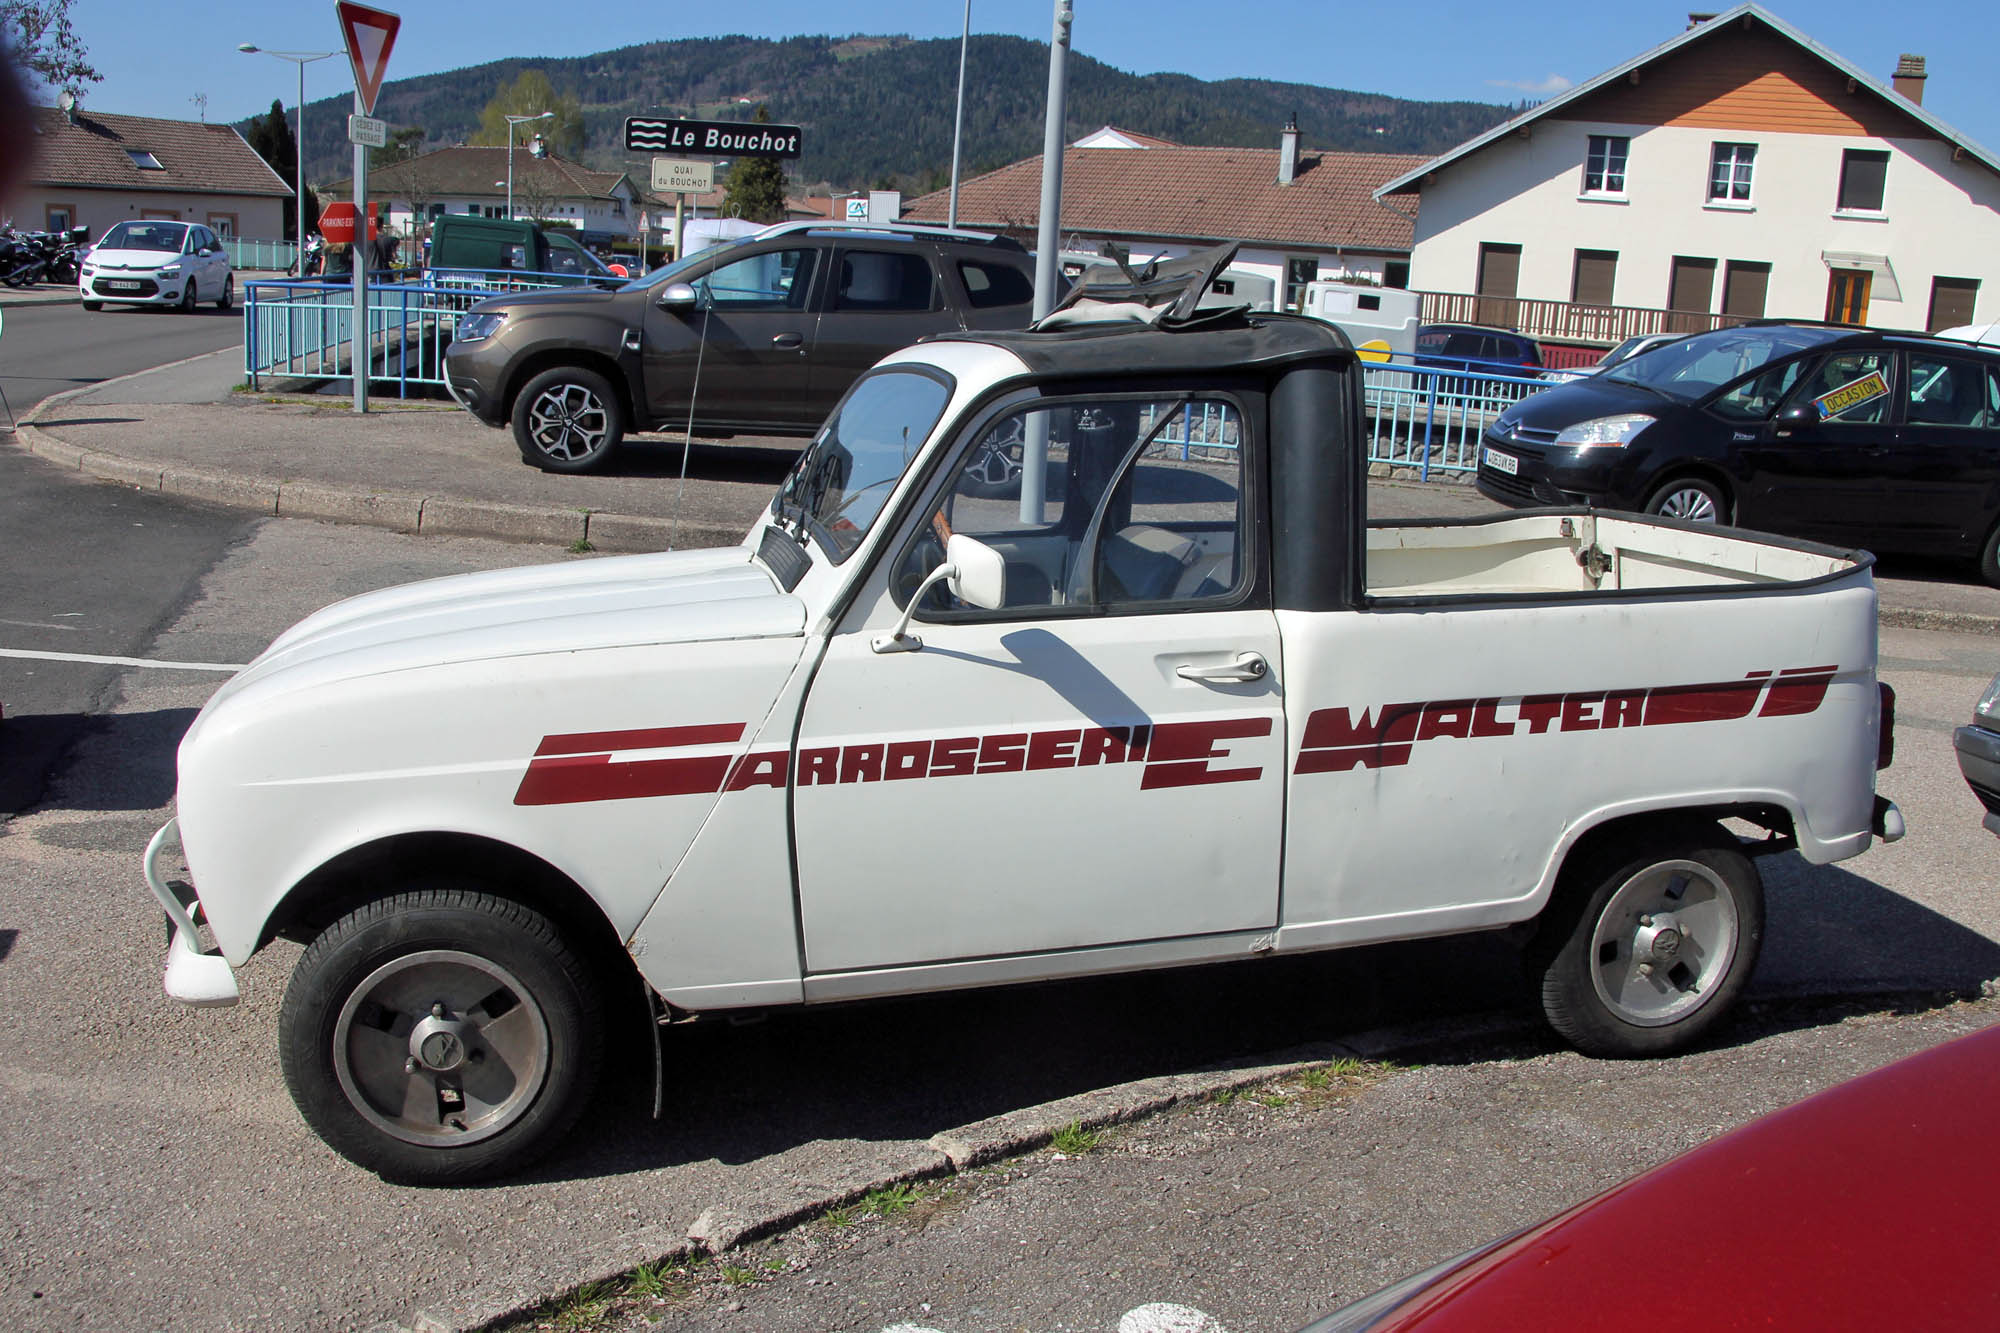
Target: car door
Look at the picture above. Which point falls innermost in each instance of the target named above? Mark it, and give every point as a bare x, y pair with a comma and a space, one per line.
1821, 467
1948, 453
881, 297
743, 352
1098, 761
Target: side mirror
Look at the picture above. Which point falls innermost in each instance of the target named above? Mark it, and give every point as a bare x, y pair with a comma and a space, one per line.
1799, 414
972, 570
679, 297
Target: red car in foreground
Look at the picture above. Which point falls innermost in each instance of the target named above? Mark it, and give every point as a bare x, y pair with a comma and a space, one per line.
1869, 1206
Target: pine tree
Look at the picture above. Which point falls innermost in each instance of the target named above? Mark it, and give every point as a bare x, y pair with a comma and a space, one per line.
755, 190
271, 137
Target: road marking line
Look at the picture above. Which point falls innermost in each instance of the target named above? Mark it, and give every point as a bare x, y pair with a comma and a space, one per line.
120, 661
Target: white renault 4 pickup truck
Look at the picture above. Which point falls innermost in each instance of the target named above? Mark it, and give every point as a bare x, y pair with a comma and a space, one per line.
1223, 717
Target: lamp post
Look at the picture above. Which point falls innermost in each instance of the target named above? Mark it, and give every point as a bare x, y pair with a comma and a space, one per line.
512, 121
301, 59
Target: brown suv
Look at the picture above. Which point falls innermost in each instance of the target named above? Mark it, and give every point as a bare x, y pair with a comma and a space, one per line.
760, 337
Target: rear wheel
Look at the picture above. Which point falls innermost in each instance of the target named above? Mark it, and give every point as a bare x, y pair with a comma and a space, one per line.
1692, 499
441, 1035
1651, 940
568, 420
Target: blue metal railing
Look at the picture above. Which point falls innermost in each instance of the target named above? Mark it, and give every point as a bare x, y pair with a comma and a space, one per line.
302, 328
1424, 418
1430, 418
260, 256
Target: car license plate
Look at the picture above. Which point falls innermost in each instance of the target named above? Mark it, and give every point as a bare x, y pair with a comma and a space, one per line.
1500, 462
118, 286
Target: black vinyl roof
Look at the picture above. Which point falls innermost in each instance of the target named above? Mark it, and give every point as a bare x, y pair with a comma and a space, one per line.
1239, 341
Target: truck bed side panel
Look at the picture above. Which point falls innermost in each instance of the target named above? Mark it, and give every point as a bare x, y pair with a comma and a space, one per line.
1442, 760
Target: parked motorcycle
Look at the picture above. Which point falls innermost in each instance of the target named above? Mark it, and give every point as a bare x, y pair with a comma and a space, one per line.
311, 259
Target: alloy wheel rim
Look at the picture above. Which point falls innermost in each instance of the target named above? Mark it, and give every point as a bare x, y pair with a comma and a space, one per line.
567, 422
1664, 942
441, 1048
1690, 503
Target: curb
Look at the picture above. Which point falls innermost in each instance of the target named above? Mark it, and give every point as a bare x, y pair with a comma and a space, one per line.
722, 1227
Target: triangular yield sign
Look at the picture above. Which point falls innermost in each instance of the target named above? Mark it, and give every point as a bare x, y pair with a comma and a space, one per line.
370, 34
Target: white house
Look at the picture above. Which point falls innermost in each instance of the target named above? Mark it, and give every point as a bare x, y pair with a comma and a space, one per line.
1738, 170
604, 205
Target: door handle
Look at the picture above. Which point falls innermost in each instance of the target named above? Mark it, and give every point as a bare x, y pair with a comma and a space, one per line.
1246, 668
788, 340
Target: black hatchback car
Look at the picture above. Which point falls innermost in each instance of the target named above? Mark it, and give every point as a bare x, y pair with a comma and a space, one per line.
1858, 437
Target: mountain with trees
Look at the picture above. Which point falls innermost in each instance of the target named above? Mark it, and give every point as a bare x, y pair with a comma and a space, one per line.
877, 111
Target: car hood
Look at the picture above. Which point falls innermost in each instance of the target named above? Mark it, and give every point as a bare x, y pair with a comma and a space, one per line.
133, 258
1584, 400
570, 297
621, 601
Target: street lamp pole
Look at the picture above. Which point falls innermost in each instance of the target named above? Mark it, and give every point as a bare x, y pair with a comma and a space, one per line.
512, 121
301, 59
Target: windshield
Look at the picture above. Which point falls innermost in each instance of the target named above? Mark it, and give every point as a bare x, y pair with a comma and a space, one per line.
672, 272
1695, 367
165, 237
838, 487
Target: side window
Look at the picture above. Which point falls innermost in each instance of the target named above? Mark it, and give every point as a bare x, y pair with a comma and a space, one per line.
1848, 389
1469, 345
774, 280
883, 280
1141, 505
1758, 397
564, 261
989, 285
1948, 393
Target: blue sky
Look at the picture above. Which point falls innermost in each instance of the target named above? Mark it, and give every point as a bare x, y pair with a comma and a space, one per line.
1481, 51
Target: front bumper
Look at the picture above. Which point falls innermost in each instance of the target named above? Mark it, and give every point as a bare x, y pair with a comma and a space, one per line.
1979, 760
145, 289
470, 389
193, 975
1551, 475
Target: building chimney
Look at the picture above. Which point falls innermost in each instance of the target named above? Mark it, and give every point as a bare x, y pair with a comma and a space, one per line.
1288, 150
1695, 20
1909, 78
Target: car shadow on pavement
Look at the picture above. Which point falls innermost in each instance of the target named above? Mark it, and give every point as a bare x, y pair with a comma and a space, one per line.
35, 750
660, 456
901, 1071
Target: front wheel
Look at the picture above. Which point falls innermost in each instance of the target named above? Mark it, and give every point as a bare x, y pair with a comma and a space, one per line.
441, 1035
228, 297
568, 420
1692, 499
1651, 941
189, 296
93, 305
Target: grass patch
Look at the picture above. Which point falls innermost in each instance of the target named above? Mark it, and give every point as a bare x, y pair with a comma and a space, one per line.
889, 1201
1271, 1098
738, 1277
584, 1308
581, 546
1074, 1140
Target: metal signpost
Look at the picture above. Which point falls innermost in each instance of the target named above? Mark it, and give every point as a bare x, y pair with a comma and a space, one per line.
679, 177
370, 35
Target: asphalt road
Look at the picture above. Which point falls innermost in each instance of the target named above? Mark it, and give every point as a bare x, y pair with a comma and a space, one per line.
156, 1175
87, 569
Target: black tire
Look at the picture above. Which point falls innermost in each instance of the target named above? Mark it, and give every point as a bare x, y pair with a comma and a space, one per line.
1650, 940
568, 419
1690, 498
228, 297
511, 1052
1989, 558
93, 306
190, 298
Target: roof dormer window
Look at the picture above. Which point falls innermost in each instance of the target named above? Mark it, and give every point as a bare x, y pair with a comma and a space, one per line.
144, 160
